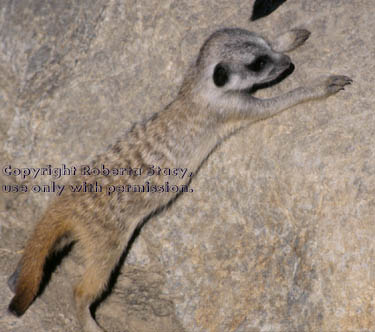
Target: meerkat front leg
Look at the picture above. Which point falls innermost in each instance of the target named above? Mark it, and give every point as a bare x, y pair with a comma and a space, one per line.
290, 40
261, 109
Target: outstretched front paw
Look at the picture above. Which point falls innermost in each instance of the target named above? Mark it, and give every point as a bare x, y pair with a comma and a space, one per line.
335, 83
327, 86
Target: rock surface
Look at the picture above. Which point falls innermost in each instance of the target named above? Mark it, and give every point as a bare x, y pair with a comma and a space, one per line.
278, 234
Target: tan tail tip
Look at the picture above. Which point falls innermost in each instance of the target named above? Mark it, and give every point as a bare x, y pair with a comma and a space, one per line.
16, 307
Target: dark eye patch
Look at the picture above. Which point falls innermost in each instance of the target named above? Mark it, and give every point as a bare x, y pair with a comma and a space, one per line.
221, 75
258, 64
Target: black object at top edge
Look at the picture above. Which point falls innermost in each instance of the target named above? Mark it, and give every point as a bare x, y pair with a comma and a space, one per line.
265, 7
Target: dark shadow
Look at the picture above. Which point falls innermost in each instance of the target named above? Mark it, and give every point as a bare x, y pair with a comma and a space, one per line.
52, 262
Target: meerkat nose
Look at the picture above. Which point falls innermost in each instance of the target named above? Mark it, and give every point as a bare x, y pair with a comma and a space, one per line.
285, 61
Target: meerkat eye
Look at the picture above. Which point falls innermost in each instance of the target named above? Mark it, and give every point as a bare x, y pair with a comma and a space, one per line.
258, 64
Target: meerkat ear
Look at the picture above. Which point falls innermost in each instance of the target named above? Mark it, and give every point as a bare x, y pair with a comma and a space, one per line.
221, 75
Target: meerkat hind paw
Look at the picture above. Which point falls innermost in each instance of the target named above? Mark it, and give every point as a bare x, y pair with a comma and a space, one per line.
92, 326
12, 280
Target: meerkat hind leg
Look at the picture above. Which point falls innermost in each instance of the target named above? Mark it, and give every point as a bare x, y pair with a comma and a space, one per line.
89, 288
290, 40
99, 267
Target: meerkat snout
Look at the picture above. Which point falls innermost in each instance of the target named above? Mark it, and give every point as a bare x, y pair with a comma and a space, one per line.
282, 63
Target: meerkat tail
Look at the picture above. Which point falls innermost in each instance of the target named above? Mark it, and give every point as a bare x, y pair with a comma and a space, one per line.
265, 7
29, 272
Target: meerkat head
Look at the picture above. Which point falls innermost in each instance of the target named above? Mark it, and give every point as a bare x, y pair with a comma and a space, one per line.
236, 60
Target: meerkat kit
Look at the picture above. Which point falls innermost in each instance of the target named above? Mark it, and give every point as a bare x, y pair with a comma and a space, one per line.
214, 101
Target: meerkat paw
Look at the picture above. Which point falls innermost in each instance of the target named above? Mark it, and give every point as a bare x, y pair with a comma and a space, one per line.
327, 86
290, 40
335, 83
12, 280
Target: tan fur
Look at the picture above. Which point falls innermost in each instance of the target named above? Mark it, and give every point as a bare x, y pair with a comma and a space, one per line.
51, 227
182, 135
